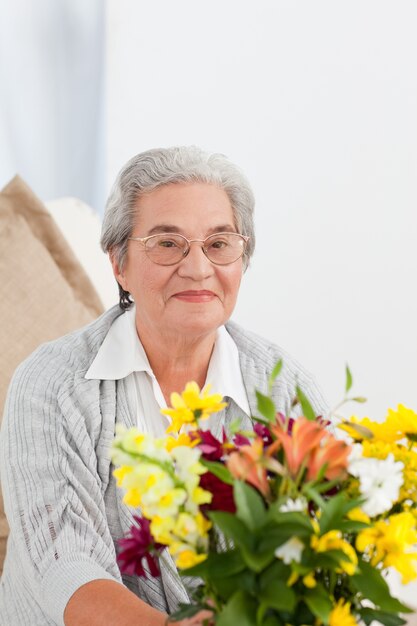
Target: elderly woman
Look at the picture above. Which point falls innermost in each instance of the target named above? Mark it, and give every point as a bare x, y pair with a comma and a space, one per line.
178, 229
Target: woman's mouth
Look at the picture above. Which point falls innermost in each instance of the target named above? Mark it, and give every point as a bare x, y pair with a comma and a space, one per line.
195, 296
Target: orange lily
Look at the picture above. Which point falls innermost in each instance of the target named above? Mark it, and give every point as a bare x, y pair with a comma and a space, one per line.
246, 464
306, 435
331, 452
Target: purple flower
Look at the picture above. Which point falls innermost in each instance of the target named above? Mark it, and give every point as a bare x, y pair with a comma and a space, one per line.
223, 499
240, 440
139, 545
211, 448
263, 432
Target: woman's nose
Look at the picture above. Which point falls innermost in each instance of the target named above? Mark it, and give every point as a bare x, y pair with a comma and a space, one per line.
196, 265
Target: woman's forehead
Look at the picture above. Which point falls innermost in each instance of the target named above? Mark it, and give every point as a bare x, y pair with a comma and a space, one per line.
179, 207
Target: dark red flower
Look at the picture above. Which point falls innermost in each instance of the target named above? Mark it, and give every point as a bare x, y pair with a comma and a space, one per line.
263, 432
137, 546
212, 449
222, 494
283, 420
241, 440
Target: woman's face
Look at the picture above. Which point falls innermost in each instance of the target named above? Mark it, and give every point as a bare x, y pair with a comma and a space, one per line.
193, 297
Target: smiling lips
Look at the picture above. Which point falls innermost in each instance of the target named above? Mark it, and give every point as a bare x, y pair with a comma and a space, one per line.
195, 296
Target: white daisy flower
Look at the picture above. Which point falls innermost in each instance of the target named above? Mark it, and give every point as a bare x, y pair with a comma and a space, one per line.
299, 504
379, 481
291, 550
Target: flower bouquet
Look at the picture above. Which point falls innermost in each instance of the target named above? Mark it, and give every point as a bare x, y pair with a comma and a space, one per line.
289, 524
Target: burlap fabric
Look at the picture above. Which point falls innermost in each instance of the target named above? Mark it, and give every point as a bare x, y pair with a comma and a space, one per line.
44, 291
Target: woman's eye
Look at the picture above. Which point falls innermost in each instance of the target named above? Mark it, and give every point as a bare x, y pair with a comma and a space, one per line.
168, 243
219, 243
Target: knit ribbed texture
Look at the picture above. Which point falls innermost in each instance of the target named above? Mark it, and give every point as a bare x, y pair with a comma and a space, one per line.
60, 496
63, 578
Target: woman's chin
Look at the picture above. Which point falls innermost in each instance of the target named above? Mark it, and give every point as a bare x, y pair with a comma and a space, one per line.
196, 323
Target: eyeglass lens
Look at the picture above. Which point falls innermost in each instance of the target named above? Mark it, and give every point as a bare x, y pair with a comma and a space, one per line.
221, 248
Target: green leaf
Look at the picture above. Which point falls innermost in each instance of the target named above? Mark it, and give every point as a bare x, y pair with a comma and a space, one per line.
298, 520
370, 582
282, 527
266, 406
271, 620
352, 526
275, 538
411, 436
349, 380
235, 425
219, 470
334, 511
277, 595
249, 504
217, 564
276, 571
326, 485
369, 615
184, 611
257, 560
313, 495
274, 374
308, 410
359, 399
226, 587
241, 610
331, 559
319, 603
233, 528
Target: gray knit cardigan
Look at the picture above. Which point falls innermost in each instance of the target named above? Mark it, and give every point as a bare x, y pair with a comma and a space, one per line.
64, 511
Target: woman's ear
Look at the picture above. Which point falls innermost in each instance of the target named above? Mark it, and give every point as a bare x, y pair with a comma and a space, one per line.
117, 271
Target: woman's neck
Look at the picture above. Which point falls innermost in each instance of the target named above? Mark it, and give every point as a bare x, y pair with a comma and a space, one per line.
176, 360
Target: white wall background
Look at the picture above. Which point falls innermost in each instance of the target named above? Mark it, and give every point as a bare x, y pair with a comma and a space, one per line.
317, 101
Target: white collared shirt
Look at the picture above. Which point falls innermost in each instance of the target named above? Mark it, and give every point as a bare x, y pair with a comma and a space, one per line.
122, 355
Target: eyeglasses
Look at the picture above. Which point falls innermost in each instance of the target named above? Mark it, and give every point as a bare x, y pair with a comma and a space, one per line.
170, 248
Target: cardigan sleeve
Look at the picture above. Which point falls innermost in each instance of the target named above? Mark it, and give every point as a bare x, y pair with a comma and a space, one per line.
52, 488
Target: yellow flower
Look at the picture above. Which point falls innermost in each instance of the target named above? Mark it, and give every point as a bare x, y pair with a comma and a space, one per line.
132, 497
403, 420
161, 529
186, 528
365, 429
131, 445
390, 542
201, 496
182, 440
146, 484
372, 448
357, 515
192, 528
341, 615
333, 541
191, 406
203, 524
188, 558
164, 503
188, 467
121, 472
309, 581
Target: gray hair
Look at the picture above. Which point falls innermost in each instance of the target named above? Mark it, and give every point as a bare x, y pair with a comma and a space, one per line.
152, 169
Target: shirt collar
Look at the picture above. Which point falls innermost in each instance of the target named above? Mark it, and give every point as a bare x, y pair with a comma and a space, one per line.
224, 374
122, 353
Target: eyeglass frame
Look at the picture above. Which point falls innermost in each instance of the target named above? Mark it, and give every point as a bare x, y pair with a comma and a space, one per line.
190, 241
